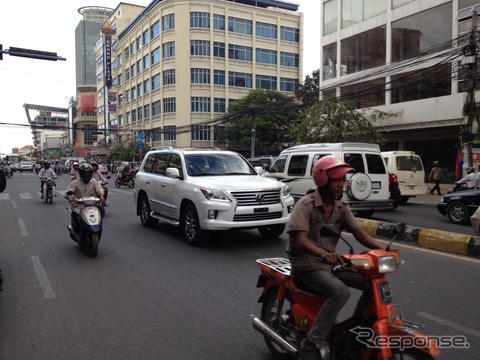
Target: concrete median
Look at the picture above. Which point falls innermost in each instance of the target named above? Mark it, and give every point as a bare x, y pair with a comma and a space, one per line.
461, 244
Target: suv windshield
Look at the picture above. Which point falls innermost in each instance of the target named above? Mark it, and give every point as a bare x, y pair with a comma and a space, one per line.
217, 164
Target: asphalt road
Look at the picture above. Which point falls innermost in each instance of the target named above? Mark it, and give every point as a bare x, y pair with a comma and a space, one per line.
148, 295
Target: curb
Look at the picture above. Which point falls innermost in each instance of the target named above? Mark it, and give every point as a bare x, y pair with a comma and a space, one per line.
460, 244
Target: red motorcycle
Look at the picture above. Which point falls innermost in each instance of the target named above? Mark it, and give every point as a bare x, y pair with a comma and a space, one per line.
378, 331
126, 179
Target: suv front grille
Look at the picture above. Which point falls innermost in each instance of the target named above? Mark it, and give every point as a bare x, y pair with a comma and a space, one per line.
257, 198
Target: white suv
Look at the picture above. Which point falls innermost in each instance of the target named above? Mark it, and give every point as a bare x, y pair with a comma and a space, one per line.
202, 190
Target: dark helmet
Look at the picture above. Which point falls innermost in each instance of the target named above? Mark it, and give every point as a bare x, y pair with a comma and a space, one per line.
94, 164
86, 172
470, 170
329, 167
46, 164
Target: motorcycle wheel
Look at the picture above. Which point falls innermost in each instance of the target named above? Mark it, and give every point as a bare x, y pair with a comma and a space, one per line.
131, 183
407, 354
283, 328
49, 198
118, 183
92, 244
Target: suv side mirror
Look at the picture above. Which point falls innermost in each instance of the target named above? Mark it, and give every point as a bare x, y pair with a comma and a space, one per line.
172, 172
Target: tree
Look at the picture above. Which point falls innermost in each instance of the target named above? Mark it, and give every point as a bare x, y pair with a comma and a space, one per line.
126, 151
332, 120
309, 92
266, 113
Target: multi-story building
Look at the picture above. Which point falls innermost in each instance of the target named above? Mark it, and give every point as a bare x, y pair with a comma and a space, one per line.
401, 56
179, 65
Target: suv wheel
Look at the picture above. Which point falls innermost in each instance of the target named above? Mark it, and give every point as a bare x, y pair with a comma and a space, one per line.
271, 231
145, 211
190, 226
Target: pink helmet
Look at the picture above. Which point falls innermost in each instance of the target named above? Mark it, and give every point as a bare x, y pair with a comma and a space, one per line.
329, 167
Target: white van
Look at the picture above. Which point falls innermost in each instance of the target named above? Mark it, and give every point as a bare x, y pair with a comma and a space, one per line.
366, 190
410, 172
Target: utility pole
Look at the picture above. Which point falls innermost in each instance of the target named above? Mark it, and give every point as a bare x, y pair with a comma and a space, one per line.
471, 53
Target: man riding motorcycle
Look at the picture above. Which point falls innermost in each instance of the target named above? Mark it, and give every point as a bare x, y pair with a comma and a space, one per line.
97, 175
74, 173
312, 255
44, 173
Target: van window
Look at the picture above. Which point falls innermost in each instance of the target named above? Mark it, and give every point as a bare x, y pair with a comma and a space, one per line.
316, 157
355, 161
298, 165
409, 163
279, 165
375, 164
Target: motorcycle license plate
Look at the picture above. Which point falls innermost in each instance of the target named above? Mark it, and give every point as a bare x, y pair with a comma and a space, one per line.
260, 210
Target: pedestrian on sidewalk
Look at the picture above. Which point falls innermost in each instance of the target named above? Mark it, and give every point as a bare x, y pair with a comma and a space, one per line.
437, 175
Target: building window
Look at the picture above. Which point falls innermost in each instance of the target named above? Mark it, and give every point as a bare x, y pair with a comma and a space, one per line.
156, 108
363, 51
127, 52
169, 49
289, 85
238, 52
329, 17
200, 76
241, 26
266, 82
265, 30
168, 22
218, 49
146, 61
155, 56
200, 48
132, 71
145, 37
146, 87
139, 67
200, 104
200, 20
139, 113
219, 22
169, 105
157, 134
355, 11
239, 79
219, 105
169, 77
422, 84
200, 132
219, 77
419, 32
146, 111
119, 80
134, 115
266, 56
133, 91
155, 30
330, 61
289, 34
288, 59
139, 43
155, 82
366, 94
170, 132
398, 3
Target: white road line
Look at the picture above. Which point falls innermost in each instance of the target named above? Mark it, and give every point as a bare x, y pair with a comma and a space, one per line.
449, 323
23, 228
4, 197
14, 204
25, 196
42, 277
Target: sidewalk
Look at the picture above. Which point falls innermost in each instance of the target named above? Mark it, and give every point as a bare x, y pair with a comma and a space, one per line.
432, 199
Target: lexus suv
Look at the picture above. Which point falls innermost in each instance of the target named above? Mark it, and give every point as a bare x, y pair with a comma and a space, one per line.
207, 189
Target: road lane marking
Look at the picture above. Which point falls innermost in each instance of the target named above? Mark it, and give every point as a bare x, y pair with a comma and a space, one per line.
14, 204
451, 324
25, 196
23, 228
4, 197
42, 277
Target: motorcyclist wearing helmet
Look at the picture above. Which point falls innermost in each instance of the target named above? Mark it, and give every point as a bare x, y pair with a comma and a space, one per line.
468, 180
74, 173
97, 175
84, 186
312, 255
44, 173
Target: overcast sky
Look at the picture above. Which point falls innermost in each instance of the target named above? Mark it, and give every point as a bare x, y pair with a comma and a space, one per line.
50, 26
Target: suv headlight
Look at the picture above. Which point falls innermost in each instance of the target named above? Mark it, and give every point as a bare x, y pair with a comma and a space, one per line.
215, 195
387, 264
286, 191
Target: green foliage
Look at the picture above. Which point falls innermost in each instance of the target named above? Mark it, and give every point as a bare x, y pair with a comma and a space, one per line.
270, 112
126, 152
335, 121
309, 91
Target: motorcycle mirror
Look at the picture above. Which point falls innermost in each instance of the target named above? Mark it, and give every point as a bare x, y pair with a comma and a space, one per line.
397, 229
334, 230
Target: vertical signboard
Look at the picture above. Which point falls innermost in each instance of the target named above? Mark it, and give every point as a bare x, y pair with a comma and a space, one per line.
107, 31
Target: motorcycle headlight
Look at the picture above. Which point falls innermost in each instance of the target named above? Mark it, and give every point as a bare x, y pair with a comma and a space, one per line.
387, 264
215, 195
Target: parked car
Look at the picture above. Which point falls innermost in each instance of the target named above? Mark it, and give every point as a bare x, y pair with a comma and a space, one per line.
209, 190
459, 206
475, 221
25, 166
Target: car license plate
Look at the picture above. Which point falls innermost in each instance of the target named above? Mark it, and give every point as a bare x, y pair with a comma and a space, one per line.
376, 185
261, 210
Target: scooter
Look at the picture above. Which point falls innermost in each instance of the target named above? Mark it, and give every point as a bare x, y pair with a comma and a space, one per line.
49, 188
86, 225
127, 180
8, 171
377, 331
